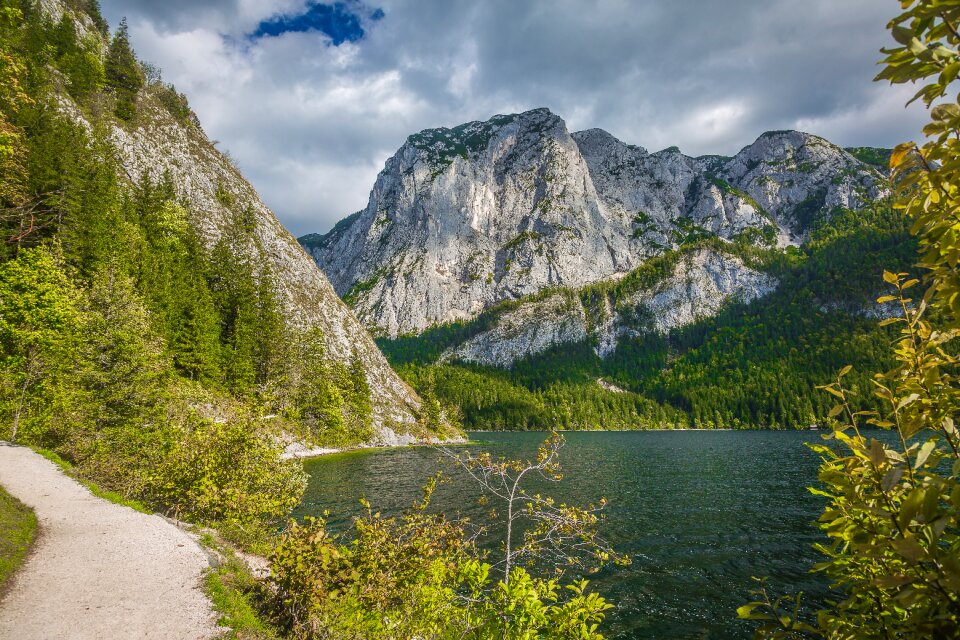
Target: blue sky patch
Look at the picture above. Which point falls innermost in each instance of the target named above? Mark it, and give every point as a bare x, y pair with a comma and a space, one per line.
341, 21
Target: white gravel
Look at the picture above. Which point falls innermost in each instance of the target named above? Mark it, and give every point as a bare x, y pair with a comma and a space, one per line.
97, 569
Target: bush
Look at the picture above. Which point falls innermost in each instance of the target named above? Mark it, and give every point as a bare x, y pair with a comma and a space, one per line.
416, 576
421, 575
226, 472
892, 518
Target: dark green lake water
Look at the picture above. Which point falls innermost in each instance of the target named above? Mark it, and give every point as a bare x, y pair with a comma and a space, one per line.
700, 512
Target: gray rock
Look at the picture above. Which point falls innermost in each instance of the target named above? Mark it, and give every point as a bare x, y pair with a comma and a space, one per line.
462, 219
700, 283
532, 328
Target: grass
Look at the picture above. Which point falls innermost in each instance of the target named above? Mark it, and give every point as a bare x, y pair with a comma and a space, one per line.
95, 489
18, 528
236, 595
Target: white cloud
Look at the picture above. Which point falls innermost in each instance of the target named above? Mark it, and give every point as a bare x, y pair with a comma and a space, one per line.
312, 124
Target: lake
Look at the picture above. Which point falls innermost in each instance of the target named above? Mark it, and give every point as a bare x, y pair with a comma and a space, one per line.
700, 512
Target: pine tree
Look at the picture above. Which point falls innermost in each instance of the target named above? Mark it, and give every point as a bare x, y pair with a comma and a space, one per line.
123, 73
195, 342
319, 402
359, 408
93, 10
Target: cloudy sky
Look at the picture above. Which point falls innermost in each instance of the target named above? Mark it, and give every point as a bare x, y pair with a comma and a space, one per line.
311, 98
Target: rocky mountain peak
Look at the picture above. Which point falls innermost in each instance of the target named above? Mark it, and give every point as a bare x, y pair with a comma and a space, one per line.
597, 145
440, 147
466, 217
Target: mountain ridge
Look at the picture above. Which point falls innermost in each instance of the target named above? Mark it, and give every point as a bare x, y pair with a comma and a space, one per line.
463, 218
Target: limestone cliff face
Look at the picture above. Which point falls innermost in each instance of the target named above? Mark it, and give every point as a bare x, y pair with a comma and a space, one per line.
462, 219
156, 142
702, 282
530, 329
698, 285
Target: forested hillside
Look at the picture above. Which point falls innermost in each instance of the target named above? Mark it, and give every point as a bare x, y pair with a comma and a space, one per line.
753, 365
144, 338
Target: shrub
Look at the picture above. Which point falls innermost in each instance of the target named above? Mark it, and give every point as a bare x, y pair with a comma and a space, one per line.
892, 518
416, 576
421, 575
225, 472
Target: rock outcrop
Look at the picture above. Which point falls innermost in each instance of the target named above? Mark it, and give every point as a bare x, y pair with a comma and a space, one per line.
531, 328
698, 285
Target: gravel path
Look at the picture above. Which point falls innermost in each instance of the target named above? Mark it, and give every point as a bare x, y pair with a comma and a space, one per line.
97, 569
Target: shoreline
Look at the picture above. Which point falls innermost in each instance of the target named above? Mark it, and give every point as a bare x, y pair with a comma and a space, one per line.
626, 430
320, 452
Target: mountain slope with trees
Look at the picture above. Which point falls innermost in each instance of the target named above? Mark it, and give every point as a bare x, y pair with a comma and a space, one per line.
159, 329
154, 137
755, 364
751, 362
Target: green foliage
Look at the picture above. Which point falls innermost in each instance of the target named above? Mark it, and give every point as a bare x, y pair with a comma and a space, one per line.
224, 196
356, 291
119, 380
807, 211
524, 398
225, 471
419, 575
95, 489
441, 146
776, 621
643, 224
359, 410
318, 400
39, 325
145, 360
686, 232
176, 104
92, 10
123, 73
878, 157
536, 528
766, 236
312, 241
18, 528
753, 365
237, 595
252, 331
526, 236
78, 61
892, 519
726, 187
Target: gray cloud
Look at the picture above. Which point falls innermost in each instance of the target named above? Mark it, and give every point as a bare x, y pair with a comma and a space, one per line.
311, 124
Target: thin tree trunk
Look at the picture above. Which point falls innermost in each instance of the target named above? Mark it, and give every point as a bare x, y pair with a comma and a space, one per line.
506, 569
27, 375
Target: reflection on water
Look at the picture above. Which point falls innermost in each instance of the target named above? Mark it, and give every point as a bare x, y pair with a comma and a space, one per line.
700, 513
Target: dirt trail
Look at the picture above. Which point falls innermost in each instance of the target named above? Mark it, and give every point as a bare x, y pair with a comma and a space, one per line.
97, 569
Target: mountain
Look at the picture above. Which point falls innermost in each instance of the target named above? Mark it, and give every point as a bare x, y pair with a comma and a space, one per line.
163, 140
217, 191
534, 278
462, 219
